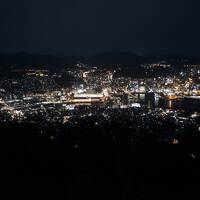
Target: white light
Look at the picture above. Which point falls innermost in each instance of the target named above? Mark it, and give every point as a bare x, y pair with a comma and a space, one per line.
136, 105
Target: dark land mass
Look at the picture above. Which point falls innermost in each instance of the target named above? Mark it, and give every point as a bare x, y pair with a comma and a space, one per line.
26, 61
114, 59
99, 162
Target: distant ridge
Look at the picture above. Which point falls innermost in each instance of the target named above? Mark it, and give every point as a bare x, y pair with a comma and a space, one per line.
33, 59
113, 59
116, 58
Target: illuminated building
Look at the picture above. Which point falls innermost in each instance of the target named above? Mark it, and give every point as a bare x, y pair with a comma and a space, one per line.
87, 98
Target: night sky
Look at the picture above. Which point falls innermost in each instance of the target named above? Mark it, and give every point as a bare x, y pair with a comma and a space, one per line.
85, 27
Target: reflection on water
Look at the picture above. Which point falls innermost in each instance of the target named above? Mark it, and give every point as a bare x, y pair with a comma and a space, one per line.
175, 104
183, 104
170, 104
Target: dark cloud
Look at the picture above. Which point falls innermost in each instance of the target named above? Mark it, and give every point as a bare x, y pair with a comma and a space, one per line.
91, 26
